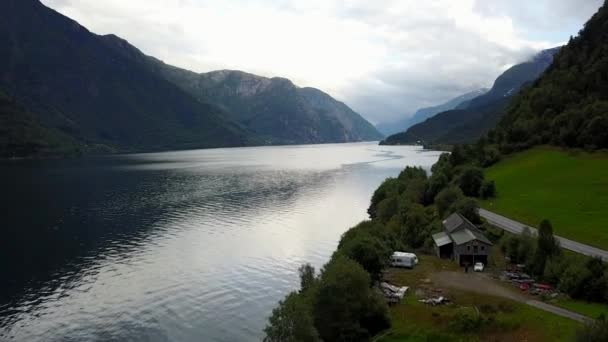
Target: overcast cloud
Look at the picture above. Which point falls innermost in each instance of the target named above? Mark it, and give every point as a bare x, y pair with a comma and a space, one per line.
383, 58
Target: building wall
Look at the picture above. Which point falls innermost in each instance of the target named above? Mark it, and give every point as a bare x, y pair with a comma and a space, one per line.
468, 249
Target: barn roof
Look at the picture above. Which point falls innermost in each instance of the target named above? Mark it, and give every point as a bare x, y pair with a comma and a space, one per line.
456, 222
441, 239
467, 235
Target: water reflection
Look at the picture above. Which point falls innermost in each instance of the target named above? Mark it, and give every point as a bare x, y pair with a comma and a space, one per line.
189, 245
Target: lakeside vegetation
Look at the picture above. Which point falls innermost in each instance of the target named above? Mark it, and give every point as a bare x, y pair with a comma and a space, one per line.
569, 187
566, 107
342, 302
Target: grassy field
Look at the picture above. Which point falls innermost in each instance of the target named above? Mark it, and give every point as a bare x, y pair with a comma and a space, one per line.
592, 310
568, 188
507, 320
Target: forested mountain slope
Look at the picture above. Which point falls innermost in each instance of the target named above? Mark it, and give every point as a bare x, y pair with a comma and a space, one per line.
568, 105
73, 82
475, 118
390, 128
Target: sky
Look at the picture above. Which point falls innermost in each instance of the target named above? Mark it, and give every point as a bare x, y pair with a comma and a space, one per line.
383, 58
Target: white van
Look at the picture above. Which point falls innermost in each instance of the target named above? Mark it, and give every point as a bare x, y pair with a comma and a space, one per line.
403, 259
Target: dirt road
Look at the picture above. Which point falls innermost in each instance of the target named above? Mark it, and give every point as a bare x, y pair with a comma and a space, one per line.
483, 284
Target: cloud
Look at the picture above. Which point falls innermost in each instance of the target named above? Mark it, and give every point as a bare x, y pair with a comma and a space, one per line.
383, 58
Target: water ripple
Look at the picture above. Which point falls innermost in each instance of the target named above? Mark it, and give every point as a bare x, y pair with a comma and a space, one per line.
179, 246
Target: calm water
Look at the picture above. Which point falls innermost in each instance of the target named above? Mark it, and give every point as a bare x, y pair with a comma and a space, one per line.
177, 246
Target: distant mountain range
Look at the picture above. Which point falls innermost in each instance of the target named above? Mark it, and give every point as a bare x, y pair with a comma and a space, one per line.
105, 95
389, 128
472, 119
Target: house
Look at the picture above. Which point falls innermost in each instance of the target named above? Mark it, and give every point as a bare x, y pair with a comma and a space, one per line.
462, 241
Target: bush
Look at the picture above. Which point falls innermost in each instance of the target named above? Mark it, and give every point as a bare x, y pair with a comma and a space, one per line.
574, 279
467, 320
594, 332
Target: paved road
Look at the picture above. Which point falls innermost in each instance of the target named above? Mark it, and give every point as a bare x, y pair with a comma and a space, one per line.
482, 283
517, 228
558, 311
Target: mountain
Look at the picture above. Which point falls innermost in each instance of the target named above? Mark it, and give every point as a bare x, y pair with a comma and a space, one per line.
105, 94
472, 119
274, 108
389, 128
568, 105
22, 135
73, 82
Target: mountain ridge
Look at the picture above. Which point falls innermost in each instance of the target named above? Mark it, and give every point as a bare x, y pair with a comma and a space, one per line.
102, 91
390, 128
466, 123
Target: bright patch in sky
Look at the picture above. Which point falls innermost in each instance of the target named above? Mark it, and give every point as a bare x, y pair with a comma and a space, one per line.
383, 58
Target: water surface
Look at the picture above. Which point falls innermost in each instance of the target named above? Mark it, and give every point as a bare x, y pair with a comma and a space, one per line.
175, 246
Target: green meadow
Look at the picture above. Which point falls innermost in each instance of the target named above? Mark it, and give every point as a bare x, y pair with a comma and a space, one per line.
569, 188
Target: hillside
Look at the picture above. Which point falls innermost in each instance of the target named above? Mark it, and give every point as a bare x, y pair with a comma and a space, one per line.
21, 135
568, 105
103, 92
75, 83
474, 118
569, 188
390, 128
274, 108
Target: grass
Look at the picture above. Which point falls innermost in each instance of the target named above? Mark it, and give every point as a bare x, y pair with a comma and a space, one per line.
568, 188
592, 310
507, 320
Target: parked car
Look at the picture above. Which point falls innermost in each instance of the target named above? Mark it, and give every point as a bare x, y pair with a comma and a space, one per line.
478, 267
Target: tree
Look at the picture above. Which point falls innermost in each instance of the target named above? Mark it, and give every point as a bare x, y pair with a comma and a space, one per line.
391, 187
437, 182
467, 207
291, 321
471, 180
415, 227
488, 190
346, 307
307, 277
547, 246
574, 280
597, 286
370, 252
387, 209
458, 156
411, 172
446, 198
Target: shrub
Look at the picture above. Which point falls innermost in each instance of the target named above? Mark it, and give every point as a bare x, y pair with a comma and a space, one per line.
467, 320
594, 332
